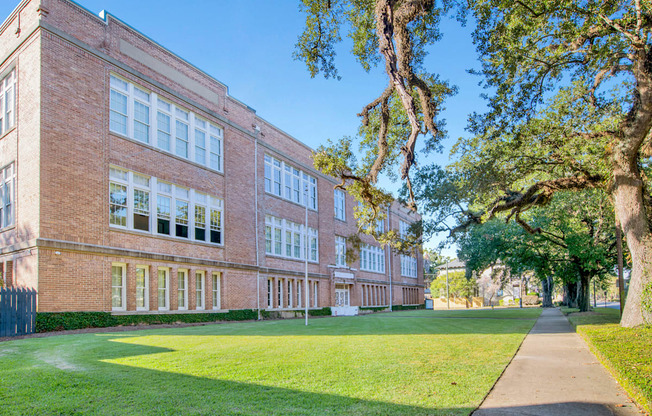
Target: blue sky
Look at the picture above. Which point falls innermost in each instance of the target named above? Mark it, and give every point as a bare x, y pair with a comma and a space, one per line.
248, 45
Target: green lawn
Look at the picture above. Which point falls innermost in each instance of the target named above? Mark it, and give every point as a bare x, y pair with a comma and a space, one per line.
402, 363
626, 352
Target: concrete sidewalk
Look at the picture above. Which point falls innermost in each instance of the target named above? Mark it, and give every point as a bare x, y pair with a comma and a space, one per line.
554, 373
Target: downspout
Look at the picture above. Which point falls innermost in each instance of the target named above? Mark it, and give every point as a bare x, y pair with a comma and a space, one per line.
257, 130
389, 256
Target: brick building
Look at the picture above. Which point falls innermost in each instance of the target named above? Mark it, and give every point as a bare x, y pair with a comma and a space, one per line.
131, 181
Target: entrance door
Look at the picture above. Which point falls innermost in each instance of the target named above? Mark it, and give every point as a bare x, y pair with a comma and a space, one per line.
342, 295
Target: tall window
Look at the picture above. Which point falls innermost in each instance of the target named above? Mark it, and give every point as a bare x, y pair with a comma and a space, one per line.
163, 289
316, 294
340, 251
7, 102
299, 291
176, 211
142, 115
340, 207
142, 288
279, 294
7, 195
281, 233
288, 182
270, 293
141, 202
372, 258
289, 292
408, 266
118, 277
404, 229
182, 289
200, 278
217, 282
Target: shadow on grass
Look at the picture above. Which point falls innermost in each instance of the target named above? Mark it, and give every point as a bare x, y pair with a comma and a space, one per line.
62, 380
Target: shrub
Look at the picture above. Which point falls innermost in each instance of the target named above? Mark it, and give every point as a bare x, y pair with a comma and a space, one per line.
407, 307
61, 321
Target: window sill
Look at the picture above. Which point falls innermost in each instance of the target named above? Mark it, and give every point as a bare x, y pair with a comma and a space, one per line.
2, 136
8, 228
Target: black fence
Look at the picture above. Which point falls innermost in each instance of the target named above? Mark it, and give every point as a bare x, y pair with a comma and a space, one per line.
17, 311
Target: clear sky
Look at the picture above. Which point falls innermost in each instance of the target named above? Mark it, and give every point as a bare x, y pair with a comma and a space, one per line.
248, 45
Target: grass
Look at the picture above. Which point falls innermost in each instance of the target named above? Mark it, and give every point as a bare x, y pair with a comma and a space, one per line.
626, 352
402, 363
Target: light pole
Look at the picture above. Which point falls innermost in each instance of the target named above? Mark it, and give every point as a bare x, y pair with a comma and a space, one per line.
448, 296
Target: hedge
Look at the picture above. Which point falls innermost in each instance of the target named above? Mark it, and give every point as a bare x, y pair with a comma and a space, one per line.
407, 307
61, 321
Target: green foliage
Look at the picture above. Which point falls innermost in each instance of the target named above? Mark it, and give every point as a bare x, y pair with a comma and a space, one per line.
408, 307
646, 302
320, 312
61, 321
459, 286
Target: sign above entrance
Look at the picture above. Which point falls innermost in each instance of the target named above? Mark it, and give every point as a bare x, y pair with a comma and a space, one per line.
344, 275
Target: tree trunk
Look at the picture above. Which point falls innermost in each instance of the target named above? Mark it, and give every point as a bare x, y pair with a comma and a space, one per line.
584, 292
546, 291
570, 294
631, 213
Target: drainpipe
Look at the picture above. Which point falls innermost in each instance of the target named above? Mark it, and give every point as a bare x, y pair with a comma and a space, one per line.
257, 130
389, 256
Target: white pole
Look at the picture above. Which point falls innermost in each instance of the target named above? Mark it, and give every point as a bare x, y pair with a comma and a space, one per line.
307, 243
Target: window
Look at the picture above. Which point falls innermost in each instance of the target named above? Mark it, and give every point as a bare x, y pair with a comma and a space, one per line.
316, 294
408, 266
217, 281
182, 136
340, 251
140, 114
281, 233
7, 195
372, 258
182, 289
200, 142
141, 203
380, 225
404, 229
299, 299
118, 277
290, 283
118, 204
199, 289
163, 289
270, 293
7, 101
280, 293
288, 182
142, 288
118, 107
180, 212
340, 212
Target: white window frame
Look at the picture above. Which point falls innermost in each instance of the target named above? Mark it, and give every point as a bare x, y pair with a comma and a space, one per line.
166, 294
339, 199
122, 287
145, 288
8, 101
340, 251
8, 196
270, 293
182, 276
315, 287
409, 266
372, 259
217, 289
134, 93
292, 239
200, 290
159, 190
290, 183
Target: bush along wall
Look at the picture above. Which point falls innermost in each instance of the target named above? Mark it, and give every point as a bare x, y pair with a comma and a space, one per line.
407, 307
61, 321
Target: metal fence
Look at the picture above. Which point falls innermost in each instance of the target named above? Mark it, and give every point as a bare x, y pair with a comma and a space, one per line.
17, 311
